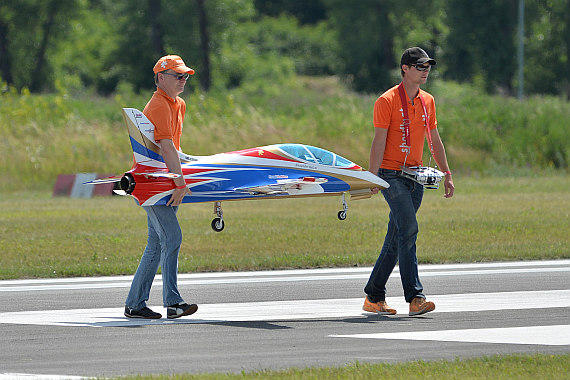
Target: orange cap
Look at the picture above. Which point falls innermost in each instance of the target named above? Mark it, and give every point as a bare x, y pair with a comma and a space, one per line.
172, 62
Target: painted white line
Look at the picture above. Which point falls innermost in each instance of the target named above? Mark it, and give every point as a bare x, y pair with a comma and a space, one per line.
286, 276
297, 272
292, 310
29, 376
558, 335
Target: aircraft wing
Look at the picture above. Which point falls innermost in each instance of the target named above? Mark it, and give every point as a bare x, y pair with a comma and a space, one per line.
284, 186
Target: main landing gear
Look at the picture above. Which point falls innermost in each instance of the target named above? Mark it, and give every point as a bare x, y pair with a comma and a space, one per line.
218, 223
342, 214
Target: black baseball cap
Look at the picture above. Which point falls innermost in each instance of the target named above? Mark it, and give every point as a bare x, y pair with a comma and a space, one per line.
416, 55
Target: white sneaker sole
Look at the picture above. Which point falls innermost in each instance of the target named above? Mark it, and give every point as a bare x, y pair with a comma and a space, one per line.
191, 310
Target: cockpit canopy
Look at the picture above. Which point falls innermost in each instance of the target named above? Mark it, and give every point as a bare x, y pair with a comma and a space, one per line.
313, 154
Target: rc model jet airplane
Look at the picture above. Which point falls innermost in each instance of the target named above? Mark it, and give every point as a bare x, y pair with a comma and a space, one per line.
267, 172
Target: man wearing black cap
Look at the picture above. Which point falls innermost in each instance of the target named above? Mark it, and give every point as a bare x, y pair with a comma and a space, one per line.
403, 116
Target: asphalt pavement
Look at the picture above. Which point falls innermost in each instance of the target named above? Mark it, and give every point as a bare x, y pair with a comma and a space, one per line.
249, 321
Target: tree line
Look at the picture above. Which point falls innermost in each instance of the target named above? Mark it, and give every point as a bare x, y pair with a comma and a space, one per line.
50, 45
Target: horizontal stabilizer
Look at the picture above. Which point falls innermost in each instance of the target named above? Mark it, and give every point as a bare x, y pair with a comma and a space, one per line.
161, 175
115, 178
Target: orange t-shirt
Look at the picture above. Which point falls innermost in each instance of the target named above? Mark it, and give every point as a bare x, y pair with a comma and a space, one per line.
167, 116
388, 113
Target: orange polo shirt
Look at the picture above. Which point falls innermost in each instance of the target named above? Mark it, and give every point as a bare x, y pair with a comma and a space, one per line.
167, 116
388, 114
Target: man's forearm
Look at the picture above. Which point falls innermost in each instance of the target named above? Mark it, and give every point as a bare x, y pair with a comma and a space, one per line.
172, 161
377, 149
440, 156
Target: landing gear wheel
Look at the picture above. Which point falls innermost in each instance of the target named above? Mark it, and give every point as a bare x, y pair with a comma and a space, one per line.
342, 214
217, 224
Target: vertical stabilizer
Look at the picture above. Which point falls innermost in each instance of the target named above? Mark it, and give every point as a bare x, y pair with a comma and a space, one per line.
141, 132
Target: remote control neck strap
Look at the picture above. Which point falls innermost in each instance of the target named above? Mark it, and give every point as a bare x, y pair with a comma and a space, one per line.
404, 100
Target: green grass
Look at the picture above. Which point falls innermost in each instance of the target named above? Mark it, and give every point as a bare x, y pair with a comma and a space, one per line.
537, 366
489, 219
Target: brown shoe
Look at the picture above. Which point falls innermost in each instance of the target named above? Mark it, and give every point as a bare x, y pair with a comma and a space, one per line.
419, 305
381, 307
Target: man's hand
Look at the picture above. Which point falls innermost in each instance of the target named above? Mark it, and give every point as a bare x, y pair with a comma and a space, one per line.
177, 196
172, 161
374, 190
448, 185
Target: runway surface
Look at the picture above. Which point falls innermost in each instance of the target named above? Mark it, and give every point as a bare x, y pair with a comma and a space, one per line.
70, 328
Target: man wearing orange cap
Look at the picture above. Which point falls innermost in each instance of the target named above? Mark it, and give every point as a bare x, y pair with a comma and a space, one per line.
166, 111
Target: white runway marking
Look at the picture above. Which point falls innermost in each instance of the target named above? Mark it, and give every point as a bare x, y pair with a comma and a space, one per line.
287, 276
272, 311
29, 376
540, 335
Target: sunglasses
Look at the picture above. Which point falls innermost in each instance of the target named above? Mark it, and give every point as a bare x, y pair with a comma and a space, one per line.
178, 76
421, 67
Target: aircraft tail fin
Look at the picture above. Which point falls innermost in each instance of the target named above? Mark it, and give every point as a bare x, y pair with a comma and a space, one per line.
141, 132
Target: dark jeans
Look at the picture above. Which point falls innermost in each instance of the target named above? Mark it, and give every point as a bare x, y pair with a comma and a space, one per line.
404, 197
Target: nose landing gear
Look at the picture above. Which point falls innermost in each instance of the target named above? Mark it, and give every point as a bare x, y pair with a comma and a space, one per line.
342, 214
218, 223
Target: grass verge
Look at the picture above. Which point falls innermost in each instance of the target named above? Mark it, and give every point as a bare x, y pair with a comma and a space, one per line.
537, 366
490, 219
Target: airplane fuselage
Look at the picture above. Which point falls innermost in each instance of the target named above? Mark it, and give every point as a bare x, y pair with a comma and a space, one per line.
262, 172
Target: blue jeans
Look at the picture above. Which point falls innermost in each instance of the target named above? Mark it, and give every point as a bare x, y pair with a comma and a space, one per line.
404, 198
163, 245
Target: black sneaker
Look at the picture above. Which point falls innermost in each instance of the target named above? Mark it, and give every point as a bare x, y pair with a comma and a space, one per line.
144, 313
180, 310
